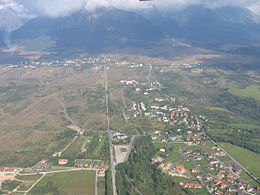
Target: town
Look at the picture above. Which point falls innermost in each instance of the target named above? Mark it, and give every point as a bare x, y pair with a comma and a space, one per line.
184, 149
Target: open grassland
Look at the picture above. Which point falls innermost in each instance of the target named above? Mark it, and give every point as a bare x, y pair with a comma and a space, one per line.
67, 183
241, 125
252, 91
33, 123
173, 157
76, 147
248, 159
29, 177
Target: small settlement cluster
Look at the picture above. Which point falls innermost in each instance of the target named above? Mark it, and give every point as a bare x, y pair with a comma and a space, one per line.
185, 151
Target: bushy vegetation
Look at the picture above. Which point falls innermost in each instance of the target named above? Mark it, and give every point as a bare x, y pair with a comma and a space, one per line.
246, 107
139, 175
10, 185
98, 148
108, 183
246, 137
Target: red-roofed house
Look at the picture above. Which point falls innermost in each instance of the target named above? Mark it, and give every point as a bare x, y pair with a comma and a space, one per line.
218, 192
102, 172
180, 169
63, 161
194, 170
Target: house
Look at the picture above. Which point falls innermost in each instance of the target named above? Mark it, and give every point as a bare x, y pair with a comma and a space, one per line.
217, 181
220, 175
230, 175
249, 189
167, 164
7, 170
28, 169
223, 185
43, 164
190, 185
157, 159
180, 169
137, 89
194, 170
213, 161
230, 180
63, 161
162, 150
220, 154
102, 172
218, 192
55, 154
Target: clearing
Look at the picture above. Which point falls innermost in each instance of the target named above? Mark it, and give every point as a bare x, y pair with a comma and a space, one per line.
66, 183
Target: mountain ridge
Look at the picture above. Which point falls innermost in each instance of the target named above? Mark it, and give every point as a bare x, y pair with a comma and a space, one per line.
108, 29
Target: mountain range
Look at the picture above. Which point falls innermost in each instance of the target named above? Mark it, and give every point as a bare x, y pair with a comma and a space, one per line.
106, 29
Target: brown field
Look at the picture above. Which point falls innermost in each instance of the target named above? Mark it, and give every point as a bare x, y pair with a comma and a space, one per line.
32, 113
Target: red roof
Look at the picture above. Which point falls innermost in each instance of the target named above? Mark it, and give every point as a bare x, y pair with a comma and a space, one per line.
179, 168
102, 170
218, 192
194, 170
63, 161
217, 180
230, 180
230, 175
166, 164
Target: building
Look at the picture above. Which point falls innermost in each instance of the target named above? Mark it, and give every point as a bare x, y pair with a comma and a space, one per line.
63, 161
102, 172
194, 170
43, 164
180, 169
7, 170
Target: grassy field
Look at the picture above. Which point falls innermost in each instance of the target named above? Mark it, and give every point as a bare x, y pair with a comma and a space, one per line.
239, 125
173, 157
76, 183
252, 91
100, 145
101, 186
248, 159
28, 177
224, 158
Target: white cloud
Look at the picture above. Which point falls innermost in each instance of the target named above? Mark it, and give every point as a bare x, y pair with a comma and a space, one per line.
7, 3
255, 8
56, 8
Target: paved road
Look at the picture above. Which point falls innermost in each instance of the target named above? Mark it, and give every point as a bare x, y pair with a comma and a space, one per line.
111, 151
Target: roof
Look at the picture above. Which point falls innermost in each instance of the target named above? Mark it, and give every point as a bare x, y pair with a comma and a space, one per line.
179, 168
63, 161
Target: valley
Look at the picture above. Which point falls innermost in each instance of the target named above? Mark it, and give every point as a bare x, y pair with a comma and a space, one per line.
57, 120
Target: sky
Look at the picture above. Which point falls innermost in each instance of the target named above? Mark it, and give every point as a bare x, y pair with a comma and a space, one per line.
56, 8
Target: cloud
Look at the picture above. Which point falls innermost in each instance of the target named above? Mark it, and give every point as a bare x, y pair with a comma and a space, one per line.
55, 8
255, 8
7, 3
